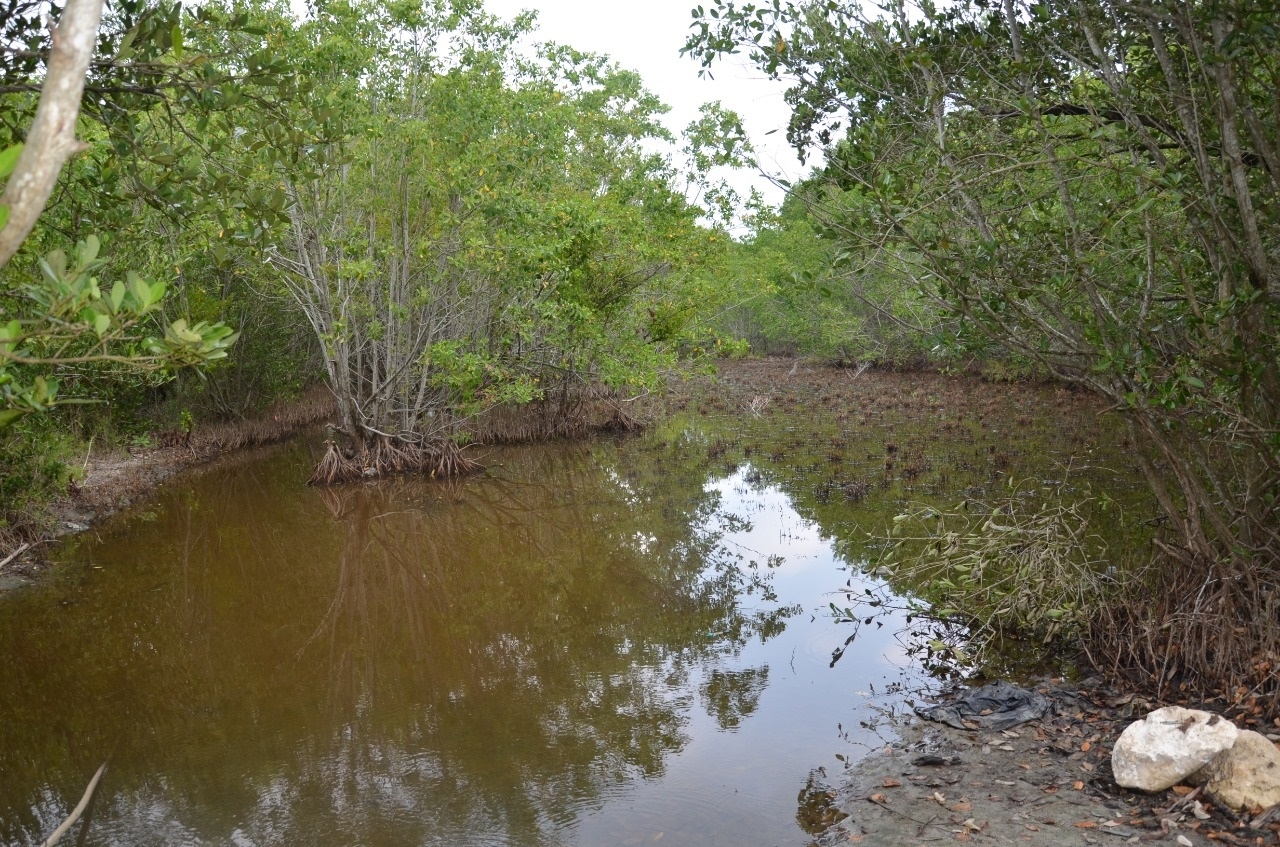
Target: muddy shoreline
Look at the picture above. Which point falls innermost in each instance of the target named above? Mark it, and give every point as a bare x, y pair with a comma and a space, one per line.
111, 480
1044, 783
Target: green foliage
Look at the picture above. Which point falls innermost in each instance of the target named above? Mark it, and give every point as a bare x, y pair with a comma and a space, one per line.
799, 290
34, 459
1037, 171
66, 318
482, 229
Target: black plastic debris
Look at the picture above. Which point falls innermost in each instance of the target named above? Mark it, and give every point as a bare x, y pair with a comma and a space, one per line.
935, 761
995, 706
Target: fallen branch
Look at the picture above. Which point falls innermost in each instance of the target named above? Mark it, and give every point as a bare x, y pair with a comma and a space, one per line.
15, 554
78, 810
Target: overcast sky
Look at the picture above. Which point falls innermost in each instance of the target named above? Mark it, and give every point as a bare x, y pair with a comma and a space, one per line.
647, 37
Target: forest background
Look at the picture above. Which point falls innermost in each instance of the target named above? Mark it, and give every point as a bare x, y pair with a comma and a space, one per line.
391, 199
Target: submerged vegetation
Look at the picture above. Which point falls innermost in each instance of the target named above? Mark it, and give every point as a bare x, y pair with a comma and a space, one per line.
469, 237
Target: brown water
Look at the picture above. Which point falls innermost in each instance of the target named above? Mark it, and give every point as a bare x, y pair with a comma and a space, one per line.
618, 642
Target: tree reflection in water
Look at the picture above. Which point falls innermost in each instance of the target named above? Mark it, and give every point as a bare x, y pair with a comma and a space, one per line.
402, 662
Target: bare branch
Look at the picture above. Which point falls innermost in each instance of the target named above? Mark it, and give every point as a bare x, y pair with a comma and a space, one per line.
52, 140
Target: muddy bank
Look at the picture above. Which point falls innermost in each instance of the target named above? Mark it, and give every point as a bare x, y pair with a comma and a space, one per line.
1044, 783
111, 480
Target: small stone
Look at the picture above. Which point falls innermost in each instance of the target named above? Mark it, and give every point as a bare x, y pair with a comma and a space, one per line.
1247, 776
1169, 745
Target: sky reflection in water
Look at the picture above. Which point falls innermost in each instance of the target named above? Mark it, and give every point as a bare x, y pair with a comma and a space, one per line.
590, 644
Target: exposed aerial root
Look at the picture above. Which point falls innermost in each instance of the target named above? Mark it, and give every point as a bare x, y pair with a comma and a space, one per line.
389, 456
564, 415
1197, 628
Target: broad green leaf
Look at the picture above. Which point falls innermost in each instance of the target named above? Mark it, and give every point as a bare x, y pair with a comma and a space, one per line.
141, 292
9, 160
88, 249
184, 333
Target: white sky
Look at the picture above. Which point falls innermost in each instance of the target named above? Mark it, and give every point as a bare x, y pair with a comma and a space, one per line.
646, 37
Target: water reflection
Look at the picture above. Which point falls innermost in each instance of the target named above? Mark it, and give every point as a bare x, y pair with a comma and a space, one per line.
391, 663
591, 644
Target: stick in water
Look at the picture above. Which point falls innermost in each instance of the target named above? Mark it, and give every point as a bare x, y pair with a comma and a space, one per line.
78, 810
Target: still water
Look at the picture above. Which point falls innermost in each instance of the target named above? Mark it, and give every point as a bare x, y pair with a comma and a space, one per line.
617, 642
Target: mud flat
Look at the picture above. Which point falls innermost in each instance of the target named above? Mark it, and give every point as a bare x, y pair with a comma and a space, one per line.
1044, 783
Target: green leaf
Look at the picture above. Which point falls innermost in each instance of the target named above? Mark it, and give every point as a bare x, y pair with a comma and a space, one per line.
141, 292
9, 160
8, 416
87, 250
4, 215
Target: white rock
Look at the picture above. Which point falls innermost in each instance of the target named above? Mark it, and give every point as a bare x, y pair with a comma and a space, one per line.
1247, 776
1169, 745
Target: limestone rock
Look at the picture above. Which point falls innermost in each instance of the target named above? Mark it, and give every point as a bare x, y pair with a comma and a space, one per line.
1247, 776
1169, 745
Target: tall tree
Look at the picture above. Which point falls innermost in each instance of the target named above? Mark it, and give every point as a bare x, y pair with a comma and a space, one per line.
141, 115
482, 230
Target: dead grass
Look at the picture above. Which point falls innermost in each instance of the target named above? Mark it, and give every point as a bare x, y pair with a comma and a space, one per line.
594, 409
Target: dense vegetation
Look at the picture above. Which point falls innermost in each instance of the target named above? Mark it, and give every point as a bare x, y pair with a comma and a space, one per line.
410, 202
1091, 187
396, 199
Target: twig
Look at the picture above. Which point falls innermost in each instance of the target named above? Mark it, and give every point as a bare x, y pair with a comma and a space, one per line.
884, 805
1266, 817
1182, 801
78, 810
15, 554
87, 453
